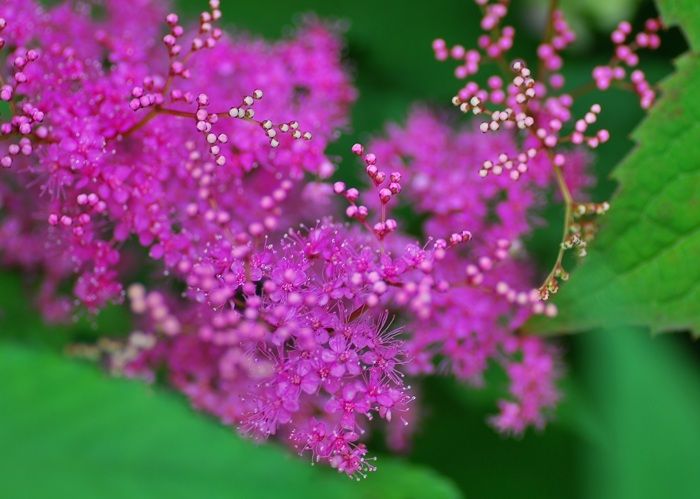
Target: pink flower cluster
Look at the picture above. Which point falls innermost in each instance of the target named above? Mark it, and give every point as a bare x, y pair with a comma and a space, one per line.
626, 55
128, 161
108, 172
535, 107
486, 285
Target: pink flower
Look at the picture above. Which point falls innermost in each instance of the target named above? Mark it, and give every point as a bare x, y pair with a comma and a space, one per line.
341, 358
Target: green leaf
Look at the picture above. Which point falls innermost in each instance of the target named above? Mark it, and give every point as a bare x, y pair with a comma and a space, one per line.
68, 431
642, 269
648, 393
625, 429
686, 14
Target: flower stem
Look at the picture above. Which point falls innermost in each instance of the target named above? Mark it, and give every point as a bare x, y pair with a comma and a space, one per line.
568, 219
549, 31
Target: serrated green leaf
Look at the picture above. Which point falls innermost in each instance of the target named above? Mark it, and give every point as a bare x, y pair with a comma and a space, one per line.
686, 14
68, 431
643, 267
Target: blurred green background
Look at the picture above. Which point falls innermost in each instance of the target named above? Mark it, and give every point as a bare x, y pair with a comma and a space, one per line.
628, 427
